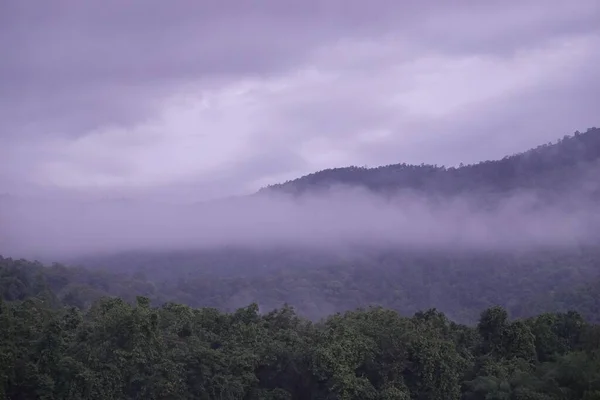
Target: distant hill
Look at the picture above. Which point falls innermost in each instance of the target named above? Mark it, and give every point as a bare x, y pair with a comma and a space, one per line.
570, 162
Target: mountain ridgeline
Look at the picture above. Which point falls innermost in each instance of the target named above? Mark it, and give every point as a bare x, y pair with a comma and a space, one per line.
571, 163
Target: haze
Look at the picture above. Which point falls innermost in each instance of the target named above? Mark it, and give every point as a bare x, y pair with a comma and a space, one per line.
339, 219
170, 103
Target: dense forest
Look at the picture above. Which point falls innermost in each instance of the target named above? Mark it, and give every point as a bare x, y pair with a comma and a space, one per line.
113, 349
289, 323
459, 284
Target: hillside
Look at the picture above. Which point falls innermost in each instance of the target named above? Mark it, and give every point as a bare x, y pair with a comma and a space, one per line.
525, 279
570, 163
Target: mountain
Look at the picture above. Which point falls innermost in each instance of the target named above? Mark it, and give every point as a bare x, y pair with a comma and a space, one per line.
526, 278
569, 163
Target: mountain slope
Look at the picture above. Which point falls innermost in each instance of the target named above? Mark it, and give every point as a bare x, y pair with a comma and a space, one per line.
548, 168
460, 282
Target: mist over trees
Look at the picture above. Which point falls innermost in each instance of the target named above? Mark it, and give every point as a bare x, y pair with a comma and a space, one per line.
521, 232
545, 197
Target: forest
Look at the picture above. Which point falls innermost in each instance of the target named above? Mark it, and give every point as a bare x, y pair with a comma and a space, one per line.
113, 349
284, 322
460, 285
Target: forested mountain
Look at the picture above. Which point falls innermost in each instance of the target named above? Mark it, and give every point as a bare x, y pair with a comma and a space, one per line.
570, 163
112, 349
461, 283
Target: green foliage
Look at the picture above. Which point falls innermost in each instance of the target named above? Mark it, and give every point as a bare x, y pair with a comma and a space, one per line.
117, 349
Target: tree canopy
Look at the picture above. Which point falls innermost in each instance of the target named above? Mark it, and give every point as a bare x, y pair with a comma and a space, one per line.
110, 348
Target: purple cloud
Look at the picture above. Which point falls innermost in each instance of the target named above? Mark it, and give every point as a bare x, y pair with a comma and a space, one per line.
215, 98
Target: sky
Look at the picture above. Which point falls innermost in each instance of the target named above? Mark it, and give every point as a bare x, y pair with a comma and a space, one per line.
189, 100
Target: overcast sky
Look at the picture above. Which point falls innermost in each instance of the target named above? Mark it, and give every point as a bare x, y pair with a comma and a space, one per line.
197, 99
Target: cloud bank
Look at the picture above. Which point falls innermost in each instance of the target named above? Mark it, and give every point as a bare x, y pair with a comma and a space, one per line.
341, 219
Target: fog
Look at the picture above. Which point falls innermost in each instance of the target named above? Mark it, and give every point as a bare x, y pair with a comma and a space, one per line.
338, 219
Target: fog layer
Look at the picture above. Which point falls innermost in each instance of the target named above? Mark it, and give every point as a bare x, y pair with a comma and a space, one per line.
337, 219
